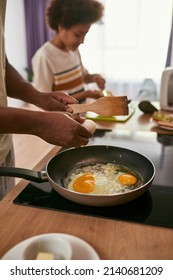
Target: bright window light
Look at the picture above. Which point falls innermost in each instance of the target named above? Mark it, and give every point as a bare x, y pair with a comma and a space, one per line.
132, 42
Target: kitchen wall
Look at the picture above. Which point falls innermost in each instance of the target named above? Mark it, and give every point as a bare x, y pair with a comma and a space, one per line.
15, 35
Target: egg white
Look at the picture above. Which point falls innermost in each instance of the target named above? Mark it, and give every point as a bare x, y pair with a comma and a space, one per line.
105, 176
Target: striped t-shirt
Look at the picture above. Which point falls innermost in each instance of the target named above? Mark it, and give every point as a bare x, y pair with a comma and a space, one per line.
58, 70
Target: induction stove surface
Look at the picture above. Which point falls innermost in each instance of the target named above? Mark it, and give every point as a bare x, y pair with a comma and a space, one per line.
154, 207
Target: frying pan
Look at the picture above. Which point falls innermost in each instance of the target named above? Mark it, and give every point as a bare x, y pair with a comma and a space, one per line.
64, 161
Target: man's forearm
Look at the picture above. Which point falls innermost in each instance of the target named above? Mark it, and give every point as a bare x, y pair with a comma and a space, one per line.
19, 121
17, 87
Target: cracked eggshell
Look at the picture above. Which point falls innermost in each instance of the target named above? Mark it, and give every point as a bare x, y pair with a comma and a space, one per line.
89, 125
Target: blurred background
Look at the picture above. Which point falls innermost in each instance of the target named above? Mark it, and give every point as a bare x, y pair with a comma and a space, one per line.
130, 48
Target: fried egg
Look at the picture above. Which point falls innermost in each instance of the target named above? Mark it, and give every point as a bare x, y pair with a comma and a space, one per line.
101, 179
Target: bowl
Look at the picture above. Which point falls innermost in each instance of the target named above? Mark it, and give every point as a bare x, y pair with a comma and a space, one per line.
47, 247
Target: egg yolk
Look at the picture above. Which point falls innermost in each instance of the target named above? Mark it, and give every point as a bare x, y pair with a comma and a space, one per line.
84, 183
127, 179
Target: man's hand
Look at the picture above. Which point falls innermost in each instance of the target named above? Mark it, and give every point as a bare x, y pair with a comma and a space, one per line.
55, 101
62, 129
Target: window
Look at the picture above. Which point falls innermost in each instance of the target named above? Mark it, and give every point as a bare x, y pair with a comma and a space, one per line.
132, 42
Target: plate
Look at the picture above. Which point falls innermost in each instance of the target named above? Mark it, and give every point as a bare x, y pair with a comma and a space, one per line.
161, 126
165, 127
81, 249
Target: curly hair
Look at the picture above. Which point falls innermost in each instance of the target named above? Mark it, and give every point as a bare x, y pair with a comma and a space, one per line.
68, 13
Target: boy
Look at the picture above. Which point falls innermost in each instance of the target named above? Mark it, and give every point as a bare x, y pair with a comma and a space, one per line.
57, 64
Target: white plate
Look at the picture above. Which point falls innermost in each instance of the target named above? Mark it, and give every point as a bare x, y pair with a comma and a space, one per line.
161, 126
81, 249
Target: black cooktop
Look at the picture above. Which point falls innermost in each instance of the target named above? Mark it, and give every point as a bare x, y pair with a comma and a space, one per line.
155, 207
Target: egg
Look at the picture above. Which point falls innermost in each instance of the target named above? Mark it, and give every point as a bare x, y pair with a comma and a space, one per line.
84, 184
89, 125
127, 179
101, 179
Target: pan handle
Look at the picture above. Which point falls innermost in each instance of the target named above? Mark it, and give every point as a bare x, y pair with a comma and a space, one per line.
31, 175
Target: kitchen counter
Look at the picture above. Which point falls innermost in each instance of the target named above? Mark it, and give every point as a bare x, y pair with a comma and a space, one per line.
112, 239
